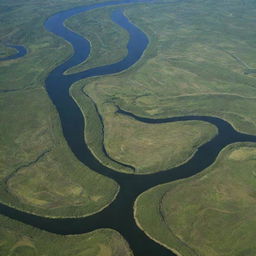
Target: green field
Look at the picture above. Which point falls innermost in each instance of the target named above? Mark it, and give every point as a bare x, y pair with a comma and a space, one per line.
23, 24
195, 67
194, 63
108, 41
18, 239
200, 61
210, 214
133, 143
6, 51
38, 172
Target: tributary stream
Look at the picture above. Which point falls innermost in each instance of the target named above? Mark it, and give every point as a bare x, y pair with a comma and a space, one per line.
119, 214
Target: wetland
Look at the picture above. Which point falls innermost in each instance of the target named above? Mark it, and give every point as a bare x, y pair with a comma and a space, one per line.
115, 211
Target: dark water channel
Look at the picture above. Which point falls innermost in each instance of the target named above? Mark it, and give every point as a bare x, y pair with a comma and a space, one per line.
21, 51
119, 214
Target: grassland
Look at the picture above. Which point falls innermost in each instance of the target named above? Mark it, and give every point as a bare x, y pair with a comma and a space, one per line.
108, 41
23, 24
195, 64
6, 51
38, 171
212, 213
133, 143
94, 132
21, 240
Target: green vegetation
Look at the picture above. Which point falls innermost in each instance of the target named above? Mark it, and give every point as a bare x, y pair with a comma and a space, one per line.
108, 41
132, 142
191, 66
23, 24
238, 110
200, 60
6, 51
38, 172
94, 133
195, 67
18, 239
210, 214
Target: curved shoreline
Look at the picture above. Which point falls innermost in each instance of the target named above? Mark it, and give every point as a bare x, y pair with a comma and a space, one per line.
21, 51
160, 117
79, 67
197, 176
103, 143
119, 214
93, 151
123, 165
232, 123
65, 217
146, 233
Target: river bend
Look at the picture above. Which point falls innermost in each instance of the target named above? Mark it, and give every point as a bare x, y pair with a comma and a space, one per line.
21, 51
119, 214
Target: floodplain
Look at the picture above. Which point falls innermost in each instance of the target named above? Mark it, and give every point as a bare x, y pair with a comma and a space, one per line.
200, 61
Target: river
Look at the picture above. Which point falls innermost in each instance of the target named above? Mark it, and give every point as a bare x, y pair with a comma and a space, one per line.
119, 214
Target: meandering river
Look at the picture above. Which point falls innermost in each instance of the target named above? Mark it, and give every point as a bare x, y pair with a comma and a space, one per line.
21, 51
119, 214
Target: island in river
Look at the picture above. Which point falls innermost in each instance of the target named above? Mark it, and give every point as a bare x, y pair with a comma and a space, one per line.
196, 63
